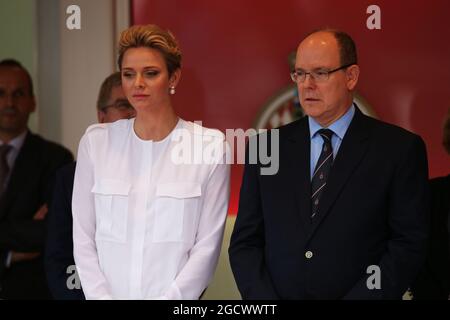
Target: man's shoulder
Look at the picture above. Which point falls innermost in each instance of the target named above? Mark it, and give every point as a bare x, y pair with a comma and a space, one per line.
386, 127
287, 131
388, 132
293, 126
47, 146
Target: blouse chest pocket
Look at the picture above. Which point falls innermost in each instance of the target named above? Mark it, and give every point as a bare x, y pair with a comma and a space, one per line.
111, 198
173, 203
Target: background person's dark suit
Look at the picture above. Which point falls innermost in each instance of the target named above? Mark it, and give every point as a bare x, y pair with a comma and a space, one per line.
59, 248
373, 212
433, 281
28, 189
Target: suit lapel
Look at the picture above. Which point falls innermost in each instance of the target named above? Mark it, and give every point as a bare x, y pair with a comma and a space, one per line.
23, 169
299, 144
351, 152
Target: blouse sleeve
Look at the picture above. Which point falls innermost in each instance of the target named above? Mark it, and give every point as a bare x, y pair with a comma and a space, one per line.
92, 279
199, 269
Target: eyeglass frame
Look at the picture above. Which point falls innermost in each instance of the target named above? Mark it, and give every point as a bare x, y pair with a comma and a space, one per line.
116, 105
314, 78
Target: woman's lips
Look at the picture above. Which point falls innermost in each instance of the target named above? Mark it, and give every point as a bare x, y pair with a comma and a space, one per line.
140, 97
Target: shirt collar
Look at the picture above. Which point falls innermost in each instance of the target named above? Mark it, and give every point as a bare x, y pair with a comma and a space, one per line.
339, 127
17, 142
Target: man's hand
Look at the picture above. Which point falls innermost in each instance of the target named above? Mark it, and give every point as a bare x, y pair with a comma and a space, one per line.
41, 213
23, 256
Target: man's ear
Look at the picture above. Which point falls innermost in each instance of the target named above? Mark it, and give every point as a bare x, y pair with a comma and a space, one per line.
352, 76
101, 116
33, 104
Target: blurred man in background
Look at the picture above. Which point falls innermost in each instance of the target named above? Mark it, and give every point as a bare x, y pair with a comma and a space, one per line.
27, 166
433, 282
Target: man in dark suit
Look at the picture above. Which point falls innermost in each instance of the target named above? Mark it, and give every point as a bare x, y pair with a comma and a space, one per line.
433, 282
345, 216
112, 105
27, 166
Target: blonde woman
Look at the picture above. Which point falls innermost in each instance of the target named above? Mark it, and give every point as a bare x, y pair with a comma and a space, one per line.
147, 225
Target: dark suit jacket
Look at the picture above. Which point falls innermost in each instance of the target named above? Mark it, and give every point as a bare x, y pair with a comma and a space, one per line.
433, 281
373, 212
59, 248
28, 189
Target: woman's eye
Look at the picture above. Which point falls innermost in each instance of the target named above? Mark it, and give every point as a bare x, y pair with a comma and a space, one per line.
151, 73
127, 74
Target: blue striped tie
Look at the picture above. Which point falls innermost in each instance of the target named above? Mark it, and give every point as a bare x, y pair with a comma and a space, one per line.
323, 166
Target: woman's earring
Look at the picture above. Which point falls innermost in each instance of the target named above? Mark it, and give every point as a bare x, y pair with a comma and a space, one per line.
172, 90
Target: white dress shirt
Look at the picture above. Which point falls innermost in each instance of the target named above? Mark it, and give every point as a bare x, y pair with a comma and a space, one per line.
146, 226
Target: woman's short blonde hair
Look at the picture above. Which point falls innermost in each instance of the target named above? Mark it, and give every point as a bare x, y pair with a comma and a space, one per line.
151, 36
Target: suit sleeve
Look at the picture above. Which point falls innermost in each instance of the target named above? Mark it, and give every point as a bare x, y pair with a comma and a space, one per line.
59, 245
93, 281
408, 219
28, 235
247, 243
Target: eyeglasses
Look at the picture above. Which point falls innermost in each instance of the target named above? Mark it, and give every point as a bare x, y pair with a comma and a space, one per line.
319, 75
120, 105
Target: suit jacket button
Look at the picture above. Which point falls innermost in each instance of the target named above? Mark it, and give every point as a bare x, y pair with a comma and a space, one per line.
308, 254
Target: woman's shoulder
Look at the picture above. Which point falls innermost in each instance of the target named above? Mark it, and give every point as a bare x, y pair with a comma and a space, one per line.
105, 128
102, 134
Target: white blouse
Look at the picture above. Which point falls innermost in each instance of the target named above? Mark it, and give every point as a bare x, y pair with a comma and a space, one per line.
148, 217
